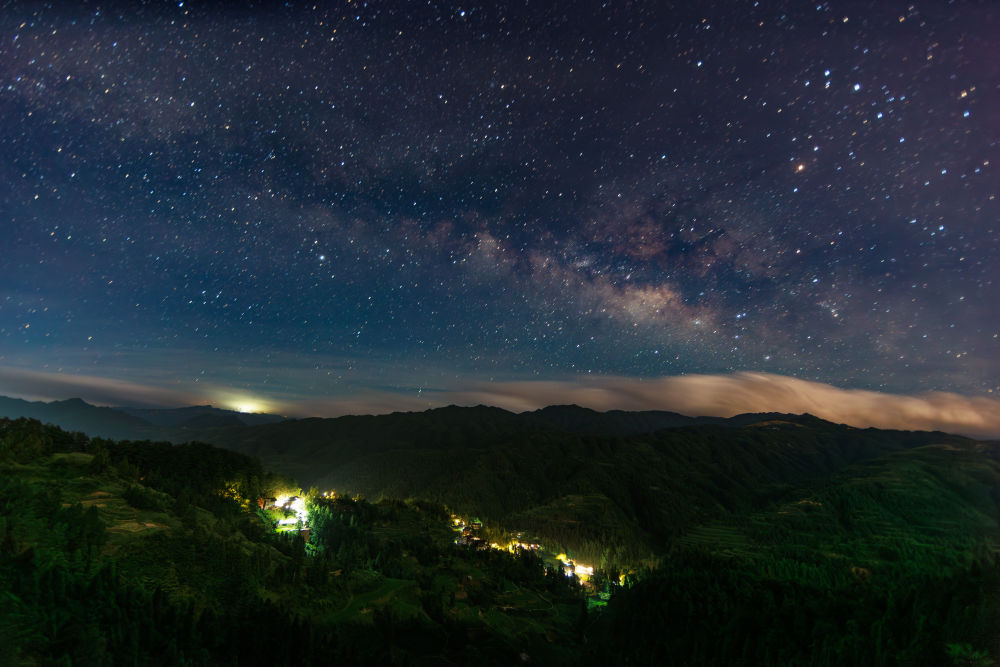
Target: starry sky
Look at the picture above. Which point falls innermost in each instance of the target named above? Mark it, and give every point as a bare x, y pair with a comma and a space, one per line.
360, 207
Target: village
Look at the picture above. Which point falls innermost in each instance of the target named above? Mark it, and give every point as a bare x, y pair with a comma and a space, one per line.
290, 514
469, 535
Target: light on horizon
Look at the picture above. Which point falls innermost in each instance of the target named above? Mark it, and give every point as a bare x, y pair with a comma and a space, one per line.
245, 404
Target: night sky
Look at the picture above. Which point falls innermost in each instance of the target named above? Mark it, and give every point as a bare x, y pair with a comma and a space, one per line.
393, 206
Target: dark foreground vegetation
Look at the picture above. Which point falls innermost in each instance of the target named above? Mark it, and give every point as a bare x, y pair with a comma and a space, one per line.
148, 553
782, 543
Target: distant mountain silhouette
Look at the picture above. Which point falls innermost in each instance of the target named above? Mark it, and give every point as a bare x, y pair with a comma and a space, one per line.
199, 422
126, 423
266, 434
574, 419
200, 416
78, 415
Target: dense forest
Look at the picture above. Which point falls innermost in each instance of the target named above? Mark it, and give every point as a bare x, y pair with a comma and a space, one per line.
617, 501
781, 541
148, 553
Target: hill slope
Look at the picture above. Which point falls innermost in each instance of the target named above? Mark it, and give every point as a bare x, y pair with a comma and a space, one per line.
894, 560
610, 499
612, 488
149, 553
788, 541
77, 415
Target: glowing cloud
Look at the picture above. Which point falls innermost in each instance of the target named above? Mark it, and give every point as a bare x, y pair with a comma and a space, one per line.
728, 395
696, 395
43, 386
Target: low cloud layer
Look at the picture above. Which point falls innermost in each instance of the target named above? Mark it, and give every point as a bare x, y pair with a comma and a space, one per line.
728, 395
41, 386
695, 395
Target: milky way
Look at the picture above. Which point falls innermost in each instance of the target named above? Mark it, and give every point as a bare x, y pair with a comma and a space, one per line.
294, 203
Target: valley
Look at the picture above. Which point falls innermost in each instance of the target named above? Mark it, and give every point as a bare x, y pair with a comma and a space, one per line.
471, 532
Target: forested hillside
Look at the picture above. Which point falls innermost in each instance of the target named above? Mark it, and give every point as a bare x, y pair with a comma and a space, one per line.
615, 501
147, 553
783, 541
894, 561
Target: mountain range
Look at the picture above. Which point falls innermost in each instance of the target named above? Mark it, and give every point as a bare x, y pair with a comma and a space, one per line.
129, 423
616, 488
758, 539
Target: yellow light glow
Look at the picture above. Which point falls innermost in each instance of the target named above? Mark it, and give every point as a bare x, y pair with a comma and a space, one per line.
243, 403
297, 505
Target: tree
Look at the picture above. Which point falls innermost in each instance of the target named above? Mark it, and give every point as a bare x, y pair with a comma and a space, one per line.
965, 655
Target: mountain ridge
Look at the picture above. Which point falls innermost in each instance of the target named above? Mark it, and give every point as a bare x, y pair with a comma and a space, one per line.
187, 423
